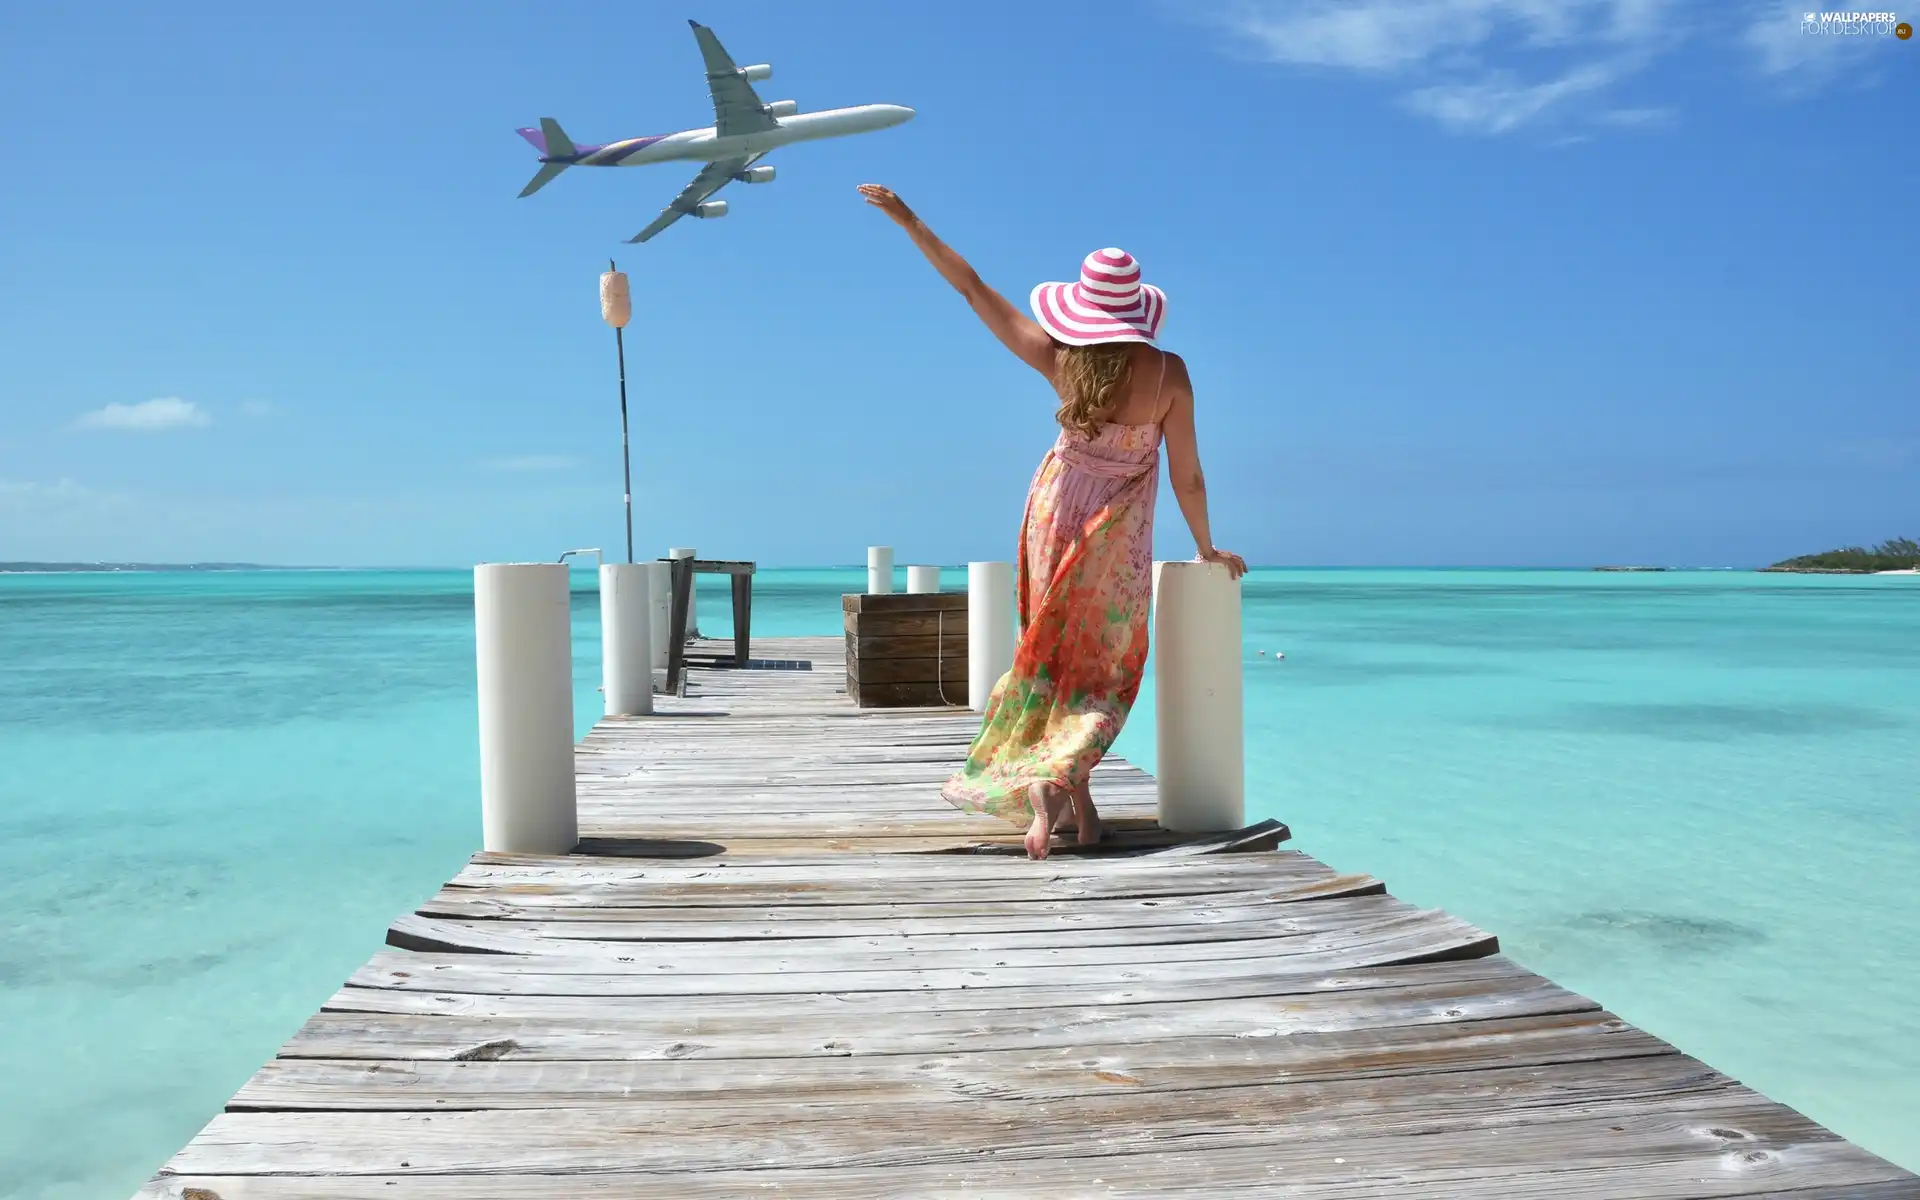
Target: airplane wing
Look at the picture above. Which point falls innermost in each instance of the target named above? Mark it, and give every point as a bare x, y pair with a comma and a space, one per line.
711, 179
737, 108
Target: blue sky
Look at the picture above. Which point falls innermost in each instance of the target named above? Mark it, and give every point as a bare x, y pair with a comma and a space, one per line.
1460, 281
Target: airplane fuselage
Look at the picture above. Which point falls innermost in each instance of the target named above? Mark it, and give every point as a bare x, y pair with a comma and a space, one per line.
745, 128
705, 145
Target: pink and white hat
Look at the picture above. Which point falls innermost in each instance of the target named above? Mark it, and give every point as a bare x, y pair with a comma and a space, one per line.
1107, 304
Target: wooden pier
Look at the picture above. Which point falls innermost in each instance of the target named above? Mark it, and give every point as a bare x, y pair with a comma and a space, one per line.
759, 976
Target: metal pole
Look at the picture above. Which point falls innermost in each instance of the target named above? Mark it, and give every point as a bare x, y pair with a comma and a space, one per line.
626, 458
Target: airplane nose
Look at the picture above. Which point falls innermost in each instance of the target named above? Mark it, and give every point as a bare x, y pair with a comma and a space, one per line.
901, 113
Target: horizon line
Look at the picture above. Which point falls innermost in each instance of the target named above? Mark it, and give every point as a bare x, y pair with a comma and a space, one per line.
105, 566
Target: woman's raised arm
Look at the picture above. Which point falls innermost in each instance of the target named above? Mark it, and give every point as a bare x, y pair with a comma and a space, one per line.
1016, 330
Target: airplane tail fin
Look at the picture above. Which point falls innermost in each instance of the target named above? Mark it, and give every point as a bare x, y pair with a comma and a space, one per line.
554, 139
553, 143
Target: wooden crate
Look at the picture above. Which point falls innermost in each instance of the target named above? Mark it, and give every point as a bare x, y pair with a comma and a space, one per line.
906, 650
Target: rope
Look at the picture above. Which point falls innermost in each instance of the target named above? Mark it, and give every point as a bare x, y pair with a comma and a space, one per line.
940, 656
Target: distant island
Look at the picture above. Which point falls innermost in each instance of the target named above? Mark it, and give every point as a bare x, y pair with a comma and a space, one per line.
1896, 554
46, 567
1630, 568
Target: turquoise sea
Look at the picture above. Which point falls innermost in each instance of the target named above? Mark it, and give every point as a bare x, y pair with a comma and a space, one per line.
1693, 796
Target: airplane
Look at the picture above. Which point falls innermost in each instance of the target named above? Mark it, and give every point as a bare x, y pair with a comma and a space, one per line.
743, 132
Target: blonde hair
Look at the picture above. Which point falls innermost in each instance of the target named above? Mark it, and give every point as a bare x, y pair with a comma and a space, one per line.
1088, 378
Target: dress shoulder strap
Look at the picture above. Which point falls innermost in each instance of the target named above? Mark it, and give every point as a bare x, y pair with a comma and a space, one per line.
1159, 414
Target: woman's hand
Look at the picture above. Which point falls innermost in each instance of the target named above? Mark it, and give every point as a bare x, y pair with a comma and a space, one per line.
1236, 566
888, 203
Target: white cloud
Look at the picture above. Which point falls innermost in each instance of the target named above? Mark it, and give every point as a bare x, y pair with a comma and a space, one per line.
167, 412
1492, 67
1499, 104
28, 497
1796, 59
1475, 66
529, 462
1396, 35
255, 408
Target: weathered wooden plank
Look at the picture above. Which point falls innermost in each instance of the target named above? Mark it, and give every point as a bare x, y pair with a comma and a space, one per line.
735, 886
881, 892
810, 755
797, 733
902, 624
1139, 832
680, 808
1493, 976
905, 798
863, 674
1664, 1157
926, 842
911, 786
550, 975
998, 929
815, 810
415, 932
885, 645
949, 823
665, 923
899, 602
691, 1136
811, 762
1280, 938
1008, 843
776, 721
1262, 835
1149, 874
905, 695
496, 1075
569, 1028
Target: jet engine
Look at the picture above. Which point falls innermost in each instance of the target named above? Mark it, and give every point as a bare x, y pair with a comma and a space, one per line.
756, 175
711, 209
782, 108
756, 72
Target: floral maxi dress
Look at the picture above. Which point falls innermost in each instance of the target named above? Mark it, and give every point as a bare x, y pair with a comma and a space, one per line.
1085, 580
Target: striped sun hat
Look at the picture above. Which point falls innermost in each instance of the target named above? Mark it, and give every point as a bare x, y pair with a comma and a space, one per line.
1107, 304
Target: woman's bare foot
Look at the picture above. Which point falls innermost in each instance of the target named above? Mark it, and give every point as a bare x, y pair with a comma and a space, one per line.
1047, 802
1086, 818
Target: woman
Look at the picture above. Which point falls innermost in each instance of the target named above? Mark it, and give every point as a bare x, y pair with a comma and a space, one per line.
1086, 543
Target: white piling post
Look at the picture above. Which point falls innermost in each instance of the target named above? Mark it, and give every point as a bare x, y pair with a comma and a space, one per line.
1199, 736
921, 580
523, 630
626, 639
990, 636
879, 570
660, 601
693, 591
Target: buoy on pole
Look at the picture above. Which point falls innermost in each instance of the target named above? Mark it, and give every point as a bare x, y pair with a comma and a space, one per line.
616, 309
